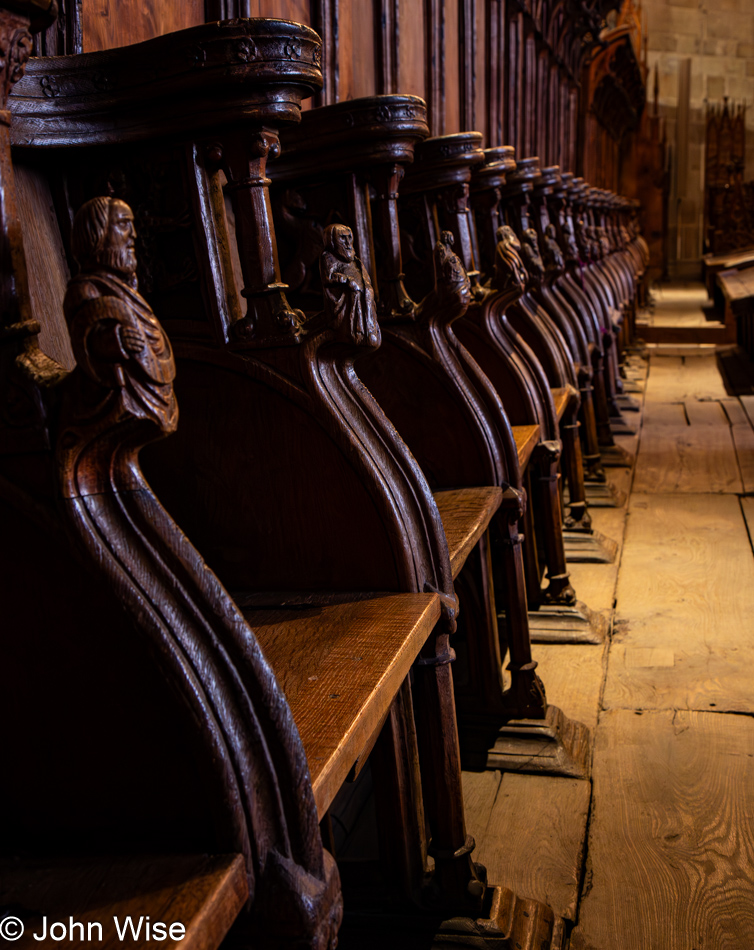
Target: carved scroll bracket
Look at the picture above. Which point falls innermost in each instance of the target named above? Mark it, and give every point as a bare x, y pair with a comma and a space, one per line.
269, 319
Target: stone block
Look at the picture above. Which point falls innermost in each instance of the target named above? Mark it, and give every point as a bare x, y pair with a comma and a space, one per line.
734, 66
715, 87
687, 43
686, 21
722, 25
745, 50
664, 42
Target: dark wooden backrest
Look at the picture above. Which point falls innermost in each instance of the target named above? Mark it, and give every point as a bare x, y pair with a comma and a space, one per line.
166, 727
347, 162
271, 419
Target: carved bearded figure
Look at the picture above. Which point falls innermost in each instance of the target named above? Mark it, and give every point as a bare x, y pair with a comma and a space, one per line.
117, 340
554, 255
510, 272
349, 297
533, 258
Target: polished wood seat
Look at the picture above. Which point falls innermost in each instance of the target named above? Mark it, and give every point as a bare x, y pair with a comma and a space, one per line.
466, 514
204, 893
527, 438
340, 666
560, 397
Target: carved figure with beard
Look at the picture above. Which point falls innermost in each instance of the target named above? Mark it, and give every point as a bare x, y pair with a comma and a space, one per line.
510, 272
117, 340
533, 258
553, 254
349, 296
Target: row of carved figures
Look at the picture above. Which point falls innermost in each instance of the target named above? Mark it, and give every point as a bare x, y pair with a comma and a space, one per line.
368, 458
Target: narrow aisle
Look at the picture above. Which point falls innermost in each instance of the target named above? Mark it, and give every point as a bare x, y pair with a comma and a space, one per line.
670, 860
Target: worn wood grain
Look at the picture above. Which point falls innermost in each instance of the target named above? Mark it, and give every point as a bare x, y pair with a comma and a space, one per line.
676, 378
340, 665
748, 403
747, 508
573, 675
203, 893
705, 413
671, 844
687, 459
664, 414
686, 585
734, 411
560, 398
743, 439
535, 837
46, 263
479, 793
466, 513
526, 438
106, 25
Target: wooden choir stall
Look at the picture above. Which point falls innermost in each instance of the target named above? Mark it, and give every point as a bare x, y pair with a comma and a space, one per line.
309, 381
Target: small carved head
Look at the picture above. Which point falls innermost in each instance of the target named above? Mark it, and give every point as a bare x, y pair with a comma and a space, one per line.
104, 238
550, 232
339, 241
447, 238
507, 237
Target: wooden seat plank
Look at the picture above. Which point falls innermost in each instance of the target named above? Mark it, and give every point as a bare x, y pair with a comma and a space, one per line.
526, 438
340, 665
202, 893
560, 398
466, 513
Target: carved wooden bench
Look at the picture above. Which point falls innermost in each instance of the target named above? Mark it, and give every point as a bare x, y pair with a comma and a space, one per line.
284, 471
329, 167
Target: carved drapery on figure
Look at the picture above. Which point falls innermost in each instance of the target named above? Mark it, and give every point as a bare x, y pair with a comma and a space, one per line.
509, 272
349, 298
119, 398
451, 279
555, 262
532, 256
117, 340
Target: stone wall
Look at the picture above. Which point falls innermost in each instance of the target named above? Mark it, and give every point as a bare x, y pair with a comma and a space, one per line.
718, 37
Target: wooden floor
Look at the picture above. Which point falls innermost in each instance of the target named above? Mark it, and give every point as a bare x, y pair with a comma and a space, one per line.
657, 851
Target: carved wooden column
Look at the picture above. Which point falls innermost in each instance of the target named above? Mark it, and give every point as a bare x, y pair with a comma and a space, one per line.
23, 367
269, 317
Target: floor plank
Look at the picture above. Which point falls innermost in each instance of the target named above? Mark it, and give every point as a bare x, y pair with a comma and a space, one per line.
748, 403
534, 840
705, 413
573, 674
686, 584
743, 439
664, 414
677, 378
687, 459
735, 411
671, 844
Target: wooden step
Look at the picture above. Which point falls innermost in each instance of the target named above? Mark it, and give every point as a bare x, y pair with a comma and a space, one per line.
527, 438
198, 895
466, 513
340, 666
